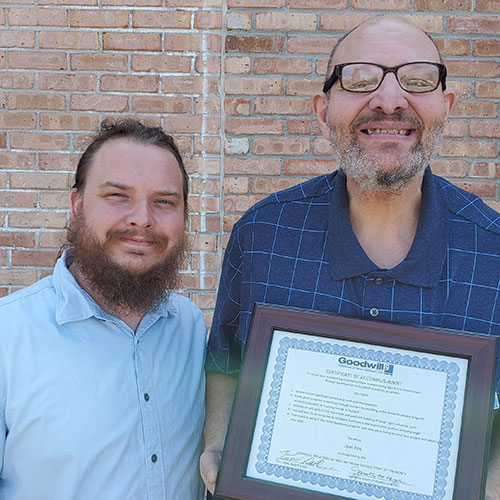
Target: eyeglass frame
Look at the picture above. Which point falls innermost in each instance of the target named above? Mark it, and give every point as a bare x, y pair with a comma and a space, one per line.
337, 75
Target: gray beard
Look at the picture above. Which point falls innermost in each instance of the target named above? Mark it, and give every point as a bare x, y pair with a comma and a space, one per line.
371, 171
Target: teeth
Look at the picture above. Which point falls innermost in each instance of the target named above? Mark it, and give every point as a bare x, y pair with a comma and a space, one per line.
371, 131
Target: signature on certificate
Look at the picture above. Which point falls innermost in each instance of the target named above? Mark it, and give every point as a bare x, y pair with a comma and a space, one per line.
300, 458
377, 478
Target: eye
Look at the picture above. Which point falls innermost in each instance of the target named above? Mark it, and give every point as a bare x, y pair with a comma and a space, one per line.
115, 196
164, 202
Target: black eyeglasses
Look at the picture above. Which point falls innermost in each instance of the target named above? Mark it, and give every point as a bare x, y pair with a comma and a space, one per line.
418, 77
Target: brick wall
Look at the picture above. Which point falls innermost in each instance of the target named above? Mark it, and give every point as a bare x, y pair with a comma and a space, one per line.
232, 80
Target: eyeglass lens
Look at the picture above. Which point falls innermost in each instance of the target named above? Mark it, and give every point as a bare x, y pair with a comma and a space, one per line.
418, 77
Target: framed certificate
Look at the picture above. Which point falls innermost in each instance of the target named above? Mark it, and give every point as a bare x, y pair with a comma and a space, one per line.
329, 407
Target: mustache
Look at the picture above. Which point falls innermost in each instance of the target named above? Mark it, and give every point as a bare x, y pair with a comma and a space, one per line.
146, 234
398, 116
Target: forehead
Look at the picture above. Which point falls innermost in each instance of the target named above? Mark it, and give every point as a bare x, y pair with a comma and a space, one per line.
389, 42
134, 163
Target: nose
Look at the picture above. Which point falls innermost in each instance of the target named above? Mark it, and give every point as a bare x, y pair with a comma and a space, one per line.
140, 215
389, 97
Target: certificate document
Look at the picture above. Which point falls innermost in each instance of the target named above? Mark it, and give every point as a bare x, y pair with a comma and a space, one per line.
357, 420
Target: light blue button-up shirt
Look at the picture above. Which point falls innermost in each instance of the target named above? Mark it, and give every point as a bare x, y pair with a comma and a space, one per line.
90, 411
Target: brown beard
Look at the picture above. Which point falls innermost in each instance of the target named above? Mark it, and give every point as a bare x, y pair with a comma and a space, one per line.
129, 290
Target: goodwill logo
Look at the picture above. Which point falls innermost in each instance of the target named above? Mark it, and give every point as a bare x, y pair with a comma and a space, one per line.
376, 366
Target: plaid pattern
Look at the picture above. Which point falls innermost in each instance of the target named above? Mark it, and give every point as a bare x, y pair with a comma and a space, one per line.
297, 248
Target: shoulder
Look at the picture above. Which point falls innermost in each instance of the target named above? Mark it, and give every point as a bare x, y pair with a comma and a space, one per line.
186, 309
39, 294
314, 191
469, 207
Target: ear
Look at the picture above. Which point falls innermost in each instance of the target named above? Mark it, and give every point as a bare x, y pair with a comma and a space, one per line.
449, 99
76, 201
320, 106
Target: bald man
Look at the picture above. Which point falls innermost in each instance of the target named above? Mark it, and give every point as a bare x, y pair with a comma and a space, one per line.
381, 238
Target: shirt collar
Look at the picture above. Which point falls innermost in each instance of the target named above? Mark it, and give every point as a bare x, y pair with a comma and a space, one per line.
75, 304
423, 264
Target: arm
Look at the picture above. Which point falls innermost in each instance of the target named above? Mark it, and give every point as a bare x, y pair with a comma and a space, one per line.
493, 478
219, 400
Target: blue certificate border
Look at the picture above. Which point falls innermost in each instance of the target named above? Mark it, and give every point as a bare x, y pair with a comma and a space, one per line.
450, 368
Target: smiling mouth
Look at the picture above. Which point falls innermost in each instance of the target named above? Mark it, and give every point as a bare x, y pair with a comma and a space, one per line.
375, 131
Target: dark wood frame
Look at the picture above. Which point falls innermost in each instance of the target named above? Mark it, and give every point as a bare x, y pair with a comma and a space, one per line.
479, 350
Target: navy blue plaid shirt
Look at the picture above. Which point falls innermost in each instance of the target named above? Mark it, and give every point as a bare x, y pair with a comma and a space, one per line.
297, 248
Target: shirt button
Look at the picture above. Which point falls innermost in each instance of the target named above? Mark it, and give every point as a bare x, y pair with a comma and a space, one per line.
373, 312
378, 281
146, 396
154, 458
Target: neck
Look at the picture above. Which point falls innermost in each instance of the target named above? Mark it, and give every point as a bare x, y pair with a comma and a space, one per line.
131, 319
385, 223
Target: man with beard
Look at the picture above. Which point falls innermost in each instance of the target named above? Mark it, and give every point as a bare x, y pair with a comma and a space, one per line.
383, 238
101, 363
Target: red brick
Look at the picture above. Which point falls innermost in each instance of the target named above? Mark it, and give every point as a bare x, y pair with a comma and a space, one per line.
38, 180
99, 62
3, 185
268, 44
131, 41
311, 44
163, 19
462, 90
13, 121
303, 86
10, 80
236, 145
480, 149
3, 140
240, 203
37, 60
68, 40
75, 81
186, 124
481, 188
58, 161
207, 64
239, 65
318, 4
17, 39
488, 129
303, 126
47, 220
34, 258
449, 168
38, 141
228, 222
249, 4
206, 145
129, 83
2, 59
235, 185
92, 102
71, 3
19, 239
472, 109
18, 277
288, 66
2, 17
270, 185
69, 121
309, 167
443, 5
207, 105
253, 86
453, 46
287, 21
252, 166
454, 128
488, 90
17, 199
99, 18
282, 106
237, 106
205, 185
487, 48
38, 17
341, 22
252, 126
477, 24
322, 147
487, 6
485, 169
160, 63
52, 239
23, 100
281, 146
160, 104
132, 3
207, 20
190, 85
54, 200
17, 161
186, 42
204, 300
475, 69
203, 204
239, 21
381, 4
